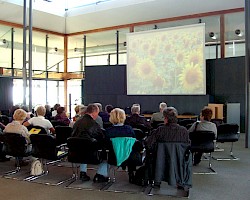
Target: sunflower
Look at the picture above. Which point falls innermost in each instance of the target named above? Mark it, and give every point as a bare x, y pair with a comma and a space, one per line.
191, 77
145, 68
195, 57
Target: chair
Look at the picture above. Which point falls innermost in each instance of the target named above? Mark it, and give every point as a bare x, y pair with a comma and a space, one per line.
228, 133
139, 134
107, 125
203, 142
156, 124
85, 151
173, 165
37, 129
186, 122
122, 152
142, 127
56, 123
44, 147
217, 122
4, 119
16, 146
62, 134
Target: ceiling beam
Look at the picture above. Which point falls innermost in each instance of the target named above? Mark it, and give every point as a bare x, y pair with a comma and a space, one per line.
199, 15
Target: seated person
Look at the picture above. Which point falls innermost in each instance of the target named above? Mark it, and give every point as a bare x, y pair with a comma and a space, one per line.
203, 125
48, 114
99, 119
104, 114
40, 120
61, 117
16, 127
54, 112
117, 118
136, 119
86, 127
108, 108
77, 110
170, 132
158, 116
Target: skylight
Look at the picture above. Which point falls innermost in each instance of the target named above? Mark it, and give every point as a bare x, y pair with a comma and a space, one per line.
66, 8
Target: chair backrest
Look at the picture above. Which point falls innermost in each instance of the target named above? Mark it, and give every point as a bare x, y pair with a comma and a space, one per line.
217, 122
186, 122
139, 134
202, 141
15, 144
228, 133
62, 134
57, 123
44, 146
135, 156
4, 119
37, 129
107, 124
156, 124
174, 164
142, 127
81, 150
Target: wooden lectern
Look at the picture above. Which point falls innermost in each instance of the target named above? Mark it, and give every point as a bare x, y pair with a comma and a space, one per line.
217, 110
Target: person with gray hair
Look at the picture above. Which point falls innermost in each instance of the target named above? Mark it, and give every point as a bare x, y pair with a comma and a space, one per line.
158, 116
99, 119
86, 127
136, 119
170, 131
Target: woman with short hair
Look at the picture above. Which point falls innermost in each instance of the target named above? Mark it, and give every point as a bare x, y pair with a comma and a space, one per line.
40, 120
203, 125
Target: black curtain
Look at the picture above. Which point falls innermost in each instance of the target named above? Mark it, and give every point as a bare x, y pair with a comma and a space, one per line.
6, 93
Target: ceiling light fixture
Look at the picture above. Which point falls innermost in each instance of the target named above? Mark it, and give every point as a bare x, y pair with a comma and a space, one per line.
213, 35
239, 33
3, 42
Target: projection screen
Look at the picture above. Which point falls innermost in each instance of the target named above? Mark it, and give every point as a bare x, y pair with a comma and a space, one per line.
167, 61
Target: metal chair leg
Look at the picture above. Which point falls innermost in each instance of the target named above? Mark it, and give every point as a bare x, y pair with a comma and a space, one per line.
211, 170
231, 156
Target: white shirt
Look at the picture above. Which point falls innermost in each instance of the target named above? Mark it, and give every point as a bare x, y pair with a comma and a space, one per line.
41, 121
54, 113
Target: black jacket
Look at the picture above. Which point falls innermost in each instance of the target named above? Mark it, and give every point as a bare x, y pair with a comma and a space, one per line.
86, 127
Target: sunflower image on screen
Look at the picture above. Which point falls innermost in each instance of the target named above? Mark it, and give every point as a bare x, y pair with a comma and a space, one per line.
167, 61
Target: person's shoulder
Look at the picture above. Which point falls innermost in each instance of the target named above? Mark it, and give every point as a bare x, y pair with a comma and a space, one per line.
127, 126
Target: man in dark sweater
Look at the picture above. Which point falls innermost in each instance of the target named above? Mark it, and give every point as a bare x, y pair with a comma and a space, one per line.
86, 127
170, 131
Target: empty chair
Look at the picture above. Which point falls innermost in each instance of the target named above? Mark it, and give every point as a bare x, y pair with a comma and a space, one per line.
142, 127
186, 122
45, 148
228, 133
139, 134
203, 142
16, 146
217, 121
62, 134
156, 124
